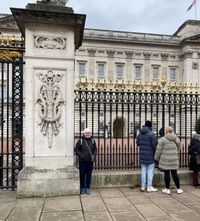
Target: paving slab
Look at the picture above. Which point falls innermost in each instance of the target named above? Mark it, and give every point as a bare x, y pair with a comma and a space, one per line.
150, 210
119, 204
104, 204
6, 208
192, 216
195, 208
98, 216
92, 204
110, 192
170, 205
127, 216
157, 194
58, 204
25, 214
187, 199
194, 191
131, 192
139, 199
162, 218
30, 202
62, 216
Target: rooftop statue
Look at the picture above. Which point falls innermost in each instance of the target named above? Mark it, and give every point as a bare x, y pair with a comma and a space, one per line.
56, 2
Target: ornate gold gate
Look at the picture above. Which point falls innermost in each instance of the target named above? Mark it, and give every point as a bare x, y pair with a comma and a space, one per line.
11, 110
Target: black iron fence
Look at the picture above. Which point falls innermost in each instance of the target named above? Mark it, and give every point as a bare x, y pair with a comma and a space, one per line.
115, 119
11, 111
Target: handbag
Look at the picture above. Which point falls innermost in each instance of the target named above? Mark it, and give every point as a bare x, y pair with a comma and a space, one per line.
92, 157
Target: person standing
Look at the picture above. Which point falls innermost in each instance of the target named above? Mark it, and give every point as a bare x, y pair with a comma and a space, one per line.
86, 151
167, 154
194, 149
147, 143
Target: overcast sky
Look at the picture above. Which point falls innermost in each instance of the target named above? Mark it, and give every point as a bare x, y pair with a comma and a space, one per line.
150, 16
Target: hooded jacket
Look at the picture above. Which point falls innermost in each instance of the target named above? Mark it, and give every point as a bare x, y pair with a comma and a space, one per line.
167, 152
147, 143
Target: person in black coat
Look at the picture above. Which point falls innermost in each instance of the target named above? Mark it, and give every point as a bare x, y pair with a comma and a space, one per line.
194, 149
147, 143
162, 132
86, 151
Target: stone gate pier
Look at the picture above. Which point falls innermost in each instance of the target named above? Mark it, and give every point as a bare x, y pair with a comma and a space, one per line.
52, 32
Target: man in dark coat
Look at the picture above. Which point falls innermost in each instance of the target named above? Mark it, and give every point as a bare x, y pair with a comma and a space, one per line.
86, 151
147, 143
194, 149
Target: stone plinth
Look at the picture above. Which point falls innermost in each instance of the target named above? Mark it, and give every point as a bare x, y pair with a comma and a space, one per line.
37, 182
52, 33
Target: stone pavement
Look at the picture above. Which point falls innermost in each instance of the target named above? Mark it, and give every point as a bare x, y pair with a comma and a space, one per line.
107, 204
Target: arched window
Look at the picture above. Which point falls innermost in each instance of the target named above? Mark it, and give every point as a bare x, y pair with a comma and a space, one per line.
119, 128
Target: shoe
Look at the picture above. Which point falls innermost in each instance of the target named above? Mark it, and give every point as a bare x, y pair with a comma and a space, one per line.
152, 189
167, 191
179, 191
83, 191
87, 191
142, 189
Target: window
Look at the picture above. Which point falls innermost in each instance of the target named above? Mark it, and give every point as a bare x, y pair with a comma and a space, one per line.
155, 73
101, 70
82, 69
119, 70
172, 74
101, 126
137, 72
82, 125
3, 89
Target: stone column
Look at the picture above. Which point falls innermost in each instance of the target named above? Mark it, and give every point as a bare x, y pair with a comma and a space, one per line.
91, 69
147, 66
52, 32
111, 67
188, 72
164, 64
129, 69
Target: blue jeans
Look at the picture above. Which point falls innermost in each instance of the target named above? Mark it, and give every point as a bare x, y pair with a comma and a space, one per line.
147, 172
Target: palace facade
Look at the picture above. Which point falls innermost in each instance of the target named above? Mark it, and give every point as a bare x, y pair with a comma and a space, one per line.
115, 60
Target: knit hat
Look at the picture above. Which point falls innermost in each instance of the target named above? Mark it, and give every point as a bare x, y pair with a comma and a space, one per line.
148, 123
87, 130
194, 133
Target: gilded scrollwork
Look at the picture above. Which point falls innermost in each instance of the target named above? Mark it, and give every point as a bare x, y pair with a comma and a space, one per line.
8, 55
50, 42
50, 104
164, 84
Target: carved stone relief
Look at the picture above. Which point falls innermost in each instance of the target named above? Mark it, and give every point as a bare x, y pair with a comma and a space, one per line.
147, 55
50, 42
164, 56
50, 104
195, 65
56, 2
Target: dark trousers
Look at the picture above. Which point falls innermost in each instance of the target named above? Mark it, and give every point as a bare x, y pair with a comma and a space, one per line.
195, 181
85, 173
174, 176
